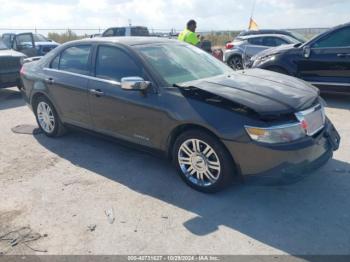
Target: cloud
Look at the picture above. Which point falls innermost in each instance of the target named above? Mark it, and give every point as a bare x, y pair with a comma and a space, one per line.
166, 14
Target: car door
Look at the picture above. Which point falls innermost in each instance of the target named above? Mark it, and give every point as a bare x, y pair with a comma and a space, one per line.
255, 46
25, 44
8, 39
67, 79
131, 115
328, 63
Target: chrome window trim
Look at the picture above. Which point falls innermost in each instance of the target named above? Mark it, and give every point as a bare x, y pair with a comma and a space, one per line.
330, 83
84, 76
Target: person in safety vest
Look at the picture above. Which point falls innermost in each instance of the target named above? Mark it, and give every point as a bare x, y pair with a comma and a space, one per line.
189, 34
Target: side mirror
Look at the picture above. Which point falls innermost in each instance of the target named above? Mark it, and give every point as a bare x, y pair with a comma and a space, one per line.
134, 83
307, 51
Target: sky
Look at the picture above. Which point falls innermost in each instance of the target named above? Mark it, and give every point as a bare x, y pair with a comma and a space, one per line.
167, 14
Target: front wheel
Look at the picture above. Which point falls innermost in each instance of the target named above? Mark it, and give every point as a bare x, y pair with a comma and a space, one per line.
202, 161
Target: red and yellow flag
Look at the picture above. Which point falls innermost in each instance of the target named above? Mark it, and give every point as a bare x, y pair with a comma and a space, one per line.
253, 25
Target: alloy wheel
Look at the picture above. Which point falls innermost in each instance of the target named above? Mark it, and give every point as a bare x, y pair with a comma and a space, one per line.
236, 63
46, 117
199, 162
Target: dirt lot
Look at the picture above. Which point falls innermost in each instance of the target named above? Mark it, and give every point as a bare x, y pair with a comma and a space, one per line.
61, 187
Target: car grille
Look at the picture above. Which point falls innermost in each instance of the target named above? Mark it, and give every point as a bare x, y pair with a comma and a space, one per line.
8, 63
312, 120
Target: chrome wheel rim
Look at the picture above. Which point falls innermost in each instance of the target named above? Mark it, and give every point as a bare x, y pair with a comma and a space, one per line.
236, 63
199, 162
46, 117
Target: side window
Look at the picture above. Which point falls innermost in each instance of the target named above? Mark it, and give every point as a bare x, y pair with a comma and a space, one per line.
55, 62
109, 32
273, 41
24, 41
255, 41
113, 64
75, 59
7, 40
340, 38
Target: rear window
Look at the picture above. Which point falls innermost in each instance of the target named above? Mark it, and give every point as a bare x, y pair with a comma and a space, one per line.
75, 59
119, 31
139, 31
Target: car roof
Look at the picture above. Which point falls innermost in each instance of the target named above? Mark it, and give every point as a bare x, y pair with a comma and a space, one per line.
263, 31
262, 35
128, 40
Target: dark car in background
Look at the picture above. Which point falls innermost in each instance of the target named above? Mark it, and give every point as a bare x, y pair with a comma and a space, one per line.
215, 124
10, 64
238, 52
126, 31
324, 61
28, 43
300, 38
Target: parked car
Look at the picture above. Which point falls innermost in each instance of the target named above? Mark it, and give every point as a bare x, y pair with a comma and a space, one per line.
214, 123
239, 52
324, 61
10, 64
126, 31
28, 43
300, 38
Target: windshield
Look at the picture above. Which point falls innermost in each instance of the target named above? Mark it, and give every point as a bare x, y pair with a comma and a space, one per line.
39, 38
2, 45
177, 63
298, 36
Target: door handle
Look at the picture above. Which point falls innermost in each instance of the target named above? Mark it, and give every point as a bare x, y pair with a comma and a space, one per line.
96, 92
50, 81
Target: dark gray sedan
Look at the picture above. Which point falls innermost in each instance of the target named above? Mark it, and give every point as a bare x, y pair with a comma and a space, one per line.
215, 124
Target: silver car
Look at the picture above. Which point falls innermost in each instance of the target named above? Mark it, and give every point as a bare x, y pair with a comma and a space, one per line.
238, 52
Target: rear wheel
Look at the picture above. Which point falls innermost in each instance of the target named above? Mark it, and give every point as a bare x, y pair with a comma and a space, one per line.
202, 161
47, 118
235, 62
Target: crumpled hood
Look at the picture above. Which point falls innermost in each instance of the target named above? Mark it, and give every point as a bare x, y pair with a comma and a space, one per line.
11, 53
273, 51
265, 92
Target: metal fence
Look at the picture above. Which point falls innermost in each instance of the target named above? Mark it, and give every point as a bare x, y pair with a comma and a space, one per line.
98, 30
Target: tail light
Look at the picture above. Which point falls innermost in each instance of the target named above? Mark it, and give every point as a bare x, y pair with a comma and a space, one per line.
22, 71
229, 46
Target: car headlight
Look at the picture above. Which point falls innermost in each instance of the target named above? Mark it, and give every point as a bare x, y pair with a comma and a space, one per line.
21, 60
276, 134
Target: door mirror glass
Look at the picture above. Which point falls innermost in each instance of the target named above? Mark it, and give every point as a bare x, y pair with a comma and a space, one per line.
307, 51
134, 83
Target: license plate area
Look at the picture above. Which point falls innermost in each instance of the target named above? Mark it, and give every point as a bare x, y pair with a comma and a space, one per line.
312, 120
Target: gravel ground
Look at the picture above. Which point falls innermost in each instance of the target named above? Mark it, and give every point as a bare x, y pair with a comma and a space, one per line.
61, 189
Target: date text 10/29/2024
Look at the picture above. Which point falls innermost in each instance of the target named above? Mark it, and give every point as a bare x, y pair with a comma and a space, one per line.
173, 258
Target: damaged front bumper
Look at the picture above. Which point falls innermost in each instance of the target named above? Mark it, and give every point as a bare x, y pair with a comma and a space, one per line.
285, 162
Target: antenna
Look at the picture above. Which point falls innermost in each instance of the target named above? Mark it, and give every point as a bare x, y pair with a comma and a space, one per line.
253, 9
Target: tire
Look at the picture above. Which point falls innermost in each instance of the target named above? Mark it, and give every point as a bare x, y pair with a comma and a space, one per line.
193, 165
46, 113
235, 62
